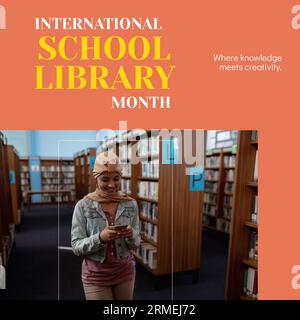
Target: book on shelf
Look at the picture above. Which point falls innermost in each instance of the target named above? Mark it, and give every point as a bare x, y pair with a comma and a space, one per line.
126, 185
227, 200
148, 189
51, 168
229, 175
223, 225
150, 169
228, 187
67, 168
251, 282
148, 146
54, 198
229, 160
253, 246
148, 254
227, 213
125, 152
126, 169
209, 209
254, 215
255, 175
149, 230
211, 175
24, 168
212, 162
211, 186
148, 210
210, 198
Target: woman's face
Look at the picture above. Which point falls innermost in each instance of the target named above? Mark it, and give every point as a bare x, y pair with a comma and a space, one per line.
110, 182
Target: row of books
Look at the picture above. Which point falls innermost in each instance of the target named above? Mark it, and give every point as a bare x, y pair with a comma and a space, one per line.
211, 186
148, 209
229, 161
254, 215
56, 198
255, 175
25, 182
149, 146
148, 189
125, 151
126, 185
210, 198
53, 187
150, 169
49, 168
57, 181
67, 174
148, 254
25, 175
227, 200
209, 209
227, 213
253, 246
149, 230
211, 175
67, 168
223, 225
126, 170
251, 282
212, 162
49, 174
24, 168
229, 175
228, 187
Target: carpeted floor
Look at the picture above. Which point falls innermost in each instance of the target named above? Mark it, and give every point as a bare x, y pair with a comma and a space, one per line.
33, 271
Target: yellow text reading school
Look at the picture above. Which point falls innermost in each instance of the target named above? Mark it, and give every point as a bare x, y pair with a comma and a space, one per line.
113, 49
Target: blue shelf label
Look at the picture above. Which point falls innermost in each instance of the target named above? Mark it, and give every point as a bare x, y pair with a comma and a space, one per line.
12, 177
169, 151
92, 161
196, 179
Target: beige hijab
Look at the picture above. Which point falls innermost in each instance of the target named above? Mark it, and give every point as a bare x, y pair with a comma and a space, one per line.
107, 162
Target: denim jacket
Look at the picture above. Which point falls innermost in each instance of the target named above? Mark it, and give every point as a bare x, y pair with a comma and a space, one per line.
89, 219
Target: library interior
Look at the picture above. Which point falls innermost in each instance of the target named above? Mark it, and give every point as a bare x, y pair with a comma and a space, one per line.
197, 241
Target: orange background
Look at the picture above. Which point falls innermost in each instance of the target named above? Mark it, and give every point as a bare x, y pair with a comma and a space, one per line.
202, 97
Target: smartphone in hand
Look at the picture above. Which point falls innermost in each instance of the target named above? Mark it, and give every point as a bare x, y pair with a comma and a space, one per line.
121, 228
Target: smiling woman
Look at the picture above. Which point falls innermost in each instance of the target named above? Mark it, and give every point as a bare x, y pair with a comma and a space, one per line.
108, 268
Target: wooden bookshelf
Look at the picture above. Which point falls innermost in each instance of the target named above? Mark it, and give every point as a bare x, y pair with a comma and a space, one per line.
167, 209
15, 184
57, 174
6, 210
217, 213
243, 228
84, 179
25, 177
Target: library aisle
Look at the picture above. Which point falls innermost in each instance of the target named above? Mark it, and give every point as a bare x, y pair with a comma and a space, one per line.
196, 243
37, 278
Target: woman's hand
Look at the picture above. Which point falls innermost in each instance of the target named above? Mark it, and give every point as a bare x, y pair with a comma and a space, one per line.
127, 233
108, 234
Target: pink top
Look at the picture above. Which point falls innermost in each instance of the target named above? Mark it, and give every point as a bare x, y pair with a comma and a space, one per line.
112, 270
